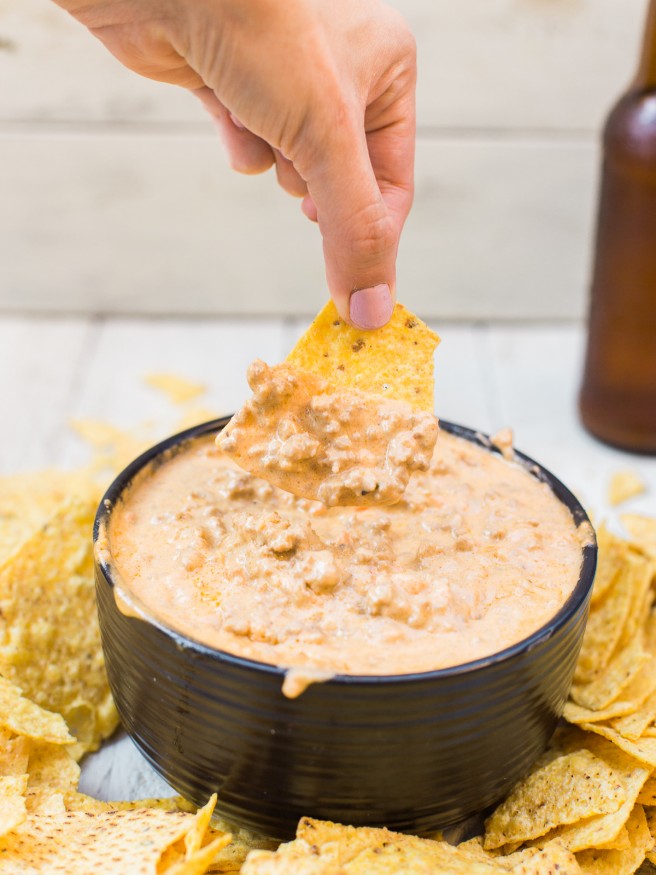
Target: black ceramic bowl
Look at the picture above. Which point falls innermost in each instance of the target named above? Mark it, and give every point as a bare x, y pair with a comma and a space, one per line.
412, 752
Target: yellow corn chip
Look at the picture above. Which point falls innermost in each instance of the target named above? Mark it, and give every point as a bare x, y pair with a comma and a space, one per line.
23, 717
75, 801
647, 795
49, 635
345, 842
574, 713
621, 842
553, 859
605, 624
115, 842
396, 361
624, 485
177, 389
601, 829
609, 684
611, 553
644, 749
51, 770
593, 862
12, 804
416, 857
14, 753
632, 726
643, 531
565, 790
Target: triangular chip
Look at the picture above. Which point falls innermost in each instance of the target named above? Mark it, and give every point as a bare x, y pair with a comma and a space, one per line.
624, 485
395, 361
562, 791
643, 531
625, 862
23, 717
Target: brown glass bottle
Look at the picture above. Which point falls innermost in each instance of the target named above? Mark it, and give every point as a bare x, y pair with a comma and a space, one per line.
618, 396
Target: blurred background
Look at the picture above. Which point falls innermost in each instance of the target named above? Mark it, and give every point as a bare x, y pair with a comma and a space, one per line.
115, 196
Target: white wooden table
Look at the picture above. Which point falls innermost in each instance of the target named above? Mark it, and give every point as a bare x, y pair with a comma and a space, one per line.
487, 376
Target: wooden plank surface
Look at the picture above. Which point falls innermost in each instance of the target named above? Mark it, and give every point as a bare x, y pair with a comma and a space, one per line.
137, 223
553, 65
487, 376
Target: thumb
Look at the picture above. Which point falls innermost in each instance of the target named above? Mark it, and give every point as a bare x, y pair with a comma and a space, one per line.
360, 233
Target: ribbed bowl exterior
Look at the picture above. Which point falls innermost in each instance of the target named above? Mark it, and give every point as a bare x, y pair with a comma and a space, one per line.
413, 752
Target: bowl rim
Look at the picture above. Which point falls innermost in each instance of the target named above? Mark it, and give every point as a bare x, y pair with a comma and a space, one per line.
570, 608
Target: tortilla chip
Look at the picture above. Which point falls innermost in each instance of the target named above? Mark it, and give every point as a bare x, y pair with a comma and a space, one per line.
75, 801
593, 862
77, 843
395, 361
196, 416
177, 389
14, 753
413, 856
553, 859
346, 842
633, 725
574, 713
23, 717
605, 624
644, 749
647, 795
643, 531
27, 501
562, 791
624, 485
51, 770
609, 684
113, 448
12, 803
601, 829
49, 635
621, 842
611, 553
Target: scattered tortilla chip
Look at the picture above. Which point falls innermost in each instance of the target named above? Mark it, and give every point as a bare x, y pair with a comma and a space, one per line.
49, 635
113, 448
593, 862
609, 684
633, 725
647, 795
563, 791
114, 843
23, 717
643, 531
177, 389
601, 829
621, 842
196, 416
644, 749
395, 361
12, 803
51, 770
605, 625
553, 859
611, 553
624, 485
14, 753
75, 801
574, 713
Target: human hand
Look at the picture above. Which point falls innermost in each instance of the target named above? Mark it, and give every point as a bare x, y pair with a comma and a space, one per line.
325, 90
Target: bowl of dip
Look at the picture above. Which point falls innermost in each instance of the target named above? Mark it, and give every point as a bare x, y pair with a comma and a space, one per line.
400, 666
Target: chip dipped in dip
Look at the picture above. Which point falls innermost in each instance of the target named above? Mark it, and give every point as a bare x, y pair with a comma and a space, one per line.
476, 556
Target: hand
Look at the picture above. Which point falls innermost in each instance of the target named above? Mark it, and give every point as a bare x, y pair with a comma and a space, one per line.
322, 88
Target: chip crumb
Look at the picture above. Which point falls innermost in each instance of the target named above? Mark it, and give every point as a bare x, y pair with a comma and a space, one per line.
623, 486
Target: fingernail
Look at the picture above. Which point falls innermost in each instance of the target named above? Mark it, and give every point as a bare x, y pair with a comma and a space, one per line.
237, 123
371, 308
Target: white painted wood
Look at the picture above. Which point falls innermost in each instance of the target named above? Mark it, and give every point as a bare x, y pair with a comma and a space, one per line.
537, 373
213, 353
499, 63
40, 365
159, 224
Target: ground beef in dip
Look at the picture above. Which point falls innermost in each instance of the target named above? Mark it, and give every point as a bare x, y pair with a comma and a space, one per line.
476, 556
342, 447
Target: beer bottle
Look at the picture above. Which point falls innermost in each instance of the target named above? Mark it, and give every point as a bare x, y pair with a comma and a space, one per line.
618, 396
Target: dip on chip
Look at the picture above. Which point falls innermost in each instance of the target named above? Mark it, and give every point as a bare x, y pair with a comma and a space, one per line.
347, 418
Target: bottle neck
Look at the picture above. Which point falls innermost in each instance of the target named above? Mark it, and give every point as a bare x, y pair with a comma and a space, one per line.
646, 74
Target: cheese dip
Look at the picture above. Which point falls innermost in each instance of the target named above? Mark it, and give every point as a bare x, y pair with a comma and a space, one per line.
476, 556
